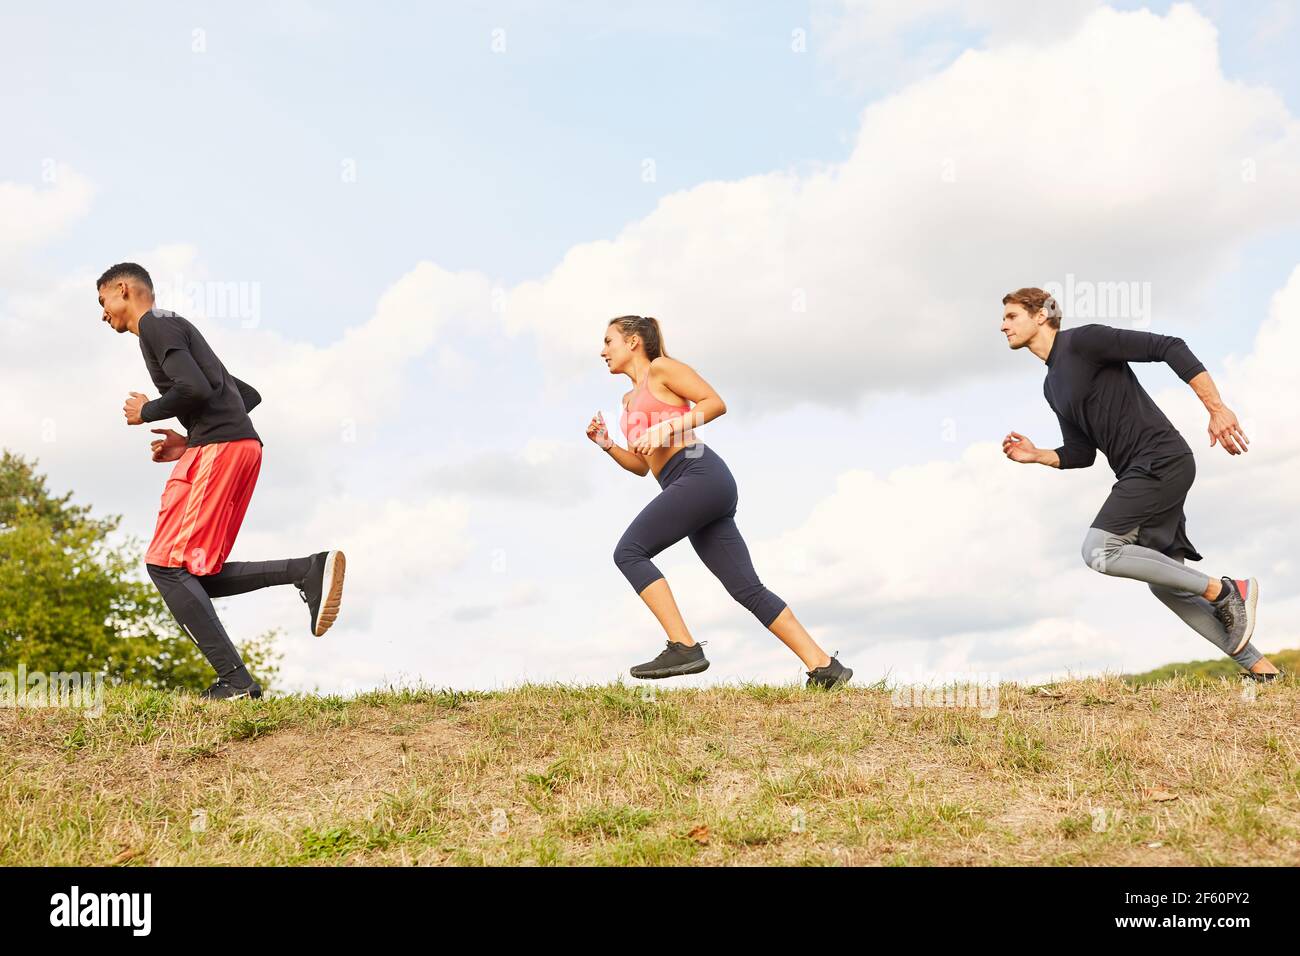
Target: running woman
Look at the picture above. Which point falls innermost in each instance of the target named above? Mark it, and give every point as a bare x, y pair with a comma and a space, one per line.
1140, 532
697, 501
205, 499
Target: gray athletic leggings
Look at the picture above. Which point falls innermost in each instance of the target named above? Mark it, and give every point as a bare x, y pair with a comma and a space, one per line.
1177, 586
698, 501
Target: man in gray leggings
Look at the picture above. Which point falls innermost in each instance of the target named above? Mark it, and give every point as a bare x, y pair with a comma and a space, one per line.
1141, 531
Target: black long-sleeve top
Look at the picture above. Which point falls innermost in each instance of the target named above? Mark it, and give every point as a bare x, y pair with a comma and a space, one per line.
1100, 403
194, 387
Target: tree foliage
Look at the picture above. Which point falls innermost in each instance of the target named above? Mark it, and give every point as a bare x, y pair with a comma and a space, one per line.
72, 597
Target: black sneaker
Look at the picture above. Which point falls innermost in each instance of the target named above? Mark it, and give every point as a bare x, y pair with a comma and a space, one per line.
1265, 678
831, 676
675, 660
1235, 610
224, 690
322, 589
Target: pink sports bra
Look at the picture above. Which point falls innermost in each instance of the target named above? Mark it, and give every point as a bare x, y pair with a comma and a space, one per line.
645, 411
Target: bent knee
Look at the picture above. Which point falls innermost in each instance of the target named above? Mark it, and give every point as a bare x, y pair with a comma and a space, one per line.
629, 552
1097, 548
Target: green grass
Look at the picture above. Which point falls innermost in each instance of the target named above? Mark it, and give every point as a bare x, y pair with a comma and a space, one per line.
553, 775
1287, 661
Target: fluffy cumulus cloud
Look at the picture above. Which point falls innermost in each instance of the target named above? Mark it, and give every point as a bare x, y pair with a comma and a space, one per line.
548, 472
1016, 165
31, 215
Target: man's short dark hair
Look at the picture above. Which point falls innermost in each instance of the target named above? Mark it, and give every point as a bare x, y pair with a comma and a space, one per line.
125, 270
1033, 300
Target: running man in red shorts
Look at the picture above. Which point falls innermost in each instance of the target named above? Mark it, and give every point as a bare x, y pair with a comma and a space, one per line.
205, 499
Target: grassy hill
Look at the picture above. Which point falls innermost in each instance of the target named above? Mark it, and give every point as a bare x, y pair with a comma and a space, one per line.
1184, 771
1287, 661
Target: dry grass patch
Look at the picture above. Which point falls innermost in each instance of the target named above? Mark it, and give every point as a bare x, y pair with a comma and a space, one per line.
1090, 772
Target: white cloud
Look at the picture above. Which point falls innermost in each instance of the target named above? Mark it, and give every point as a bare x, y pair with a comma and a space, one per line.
543, 471
31, 216
879, 273
871, 43
360, 379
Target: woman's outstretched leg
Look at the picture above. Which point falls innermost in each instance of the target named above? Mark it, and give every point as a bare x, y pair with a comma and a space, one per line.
724, 552
792, 635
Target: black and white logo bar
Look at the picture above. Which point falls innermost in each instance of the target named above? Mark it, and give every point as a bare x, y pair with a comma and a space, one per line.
133, 910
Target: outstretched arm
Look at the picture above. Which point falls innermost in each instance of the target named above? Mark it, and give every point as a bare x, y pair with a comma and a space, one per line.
1224, 428
1101, 343
1104, 344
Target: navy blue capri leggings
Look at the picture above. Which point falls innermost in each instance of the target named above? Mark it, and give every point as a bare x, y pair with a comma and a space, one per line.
698, 501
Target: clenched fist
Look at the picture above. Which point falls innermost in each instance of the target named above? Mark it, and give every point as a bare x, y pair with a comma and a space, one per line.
135, 401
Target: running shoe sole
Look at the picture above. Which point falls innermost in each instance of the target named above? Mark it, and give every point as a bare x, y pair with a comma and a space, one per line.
677, 670
1252, 601
242, 695
331, 592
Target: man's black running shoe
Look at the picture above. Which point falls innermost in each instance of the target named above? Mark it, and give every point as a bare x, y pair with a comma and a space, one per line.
1235, 609
831, 676
224, 690
1266, 678
675, 660
322, 589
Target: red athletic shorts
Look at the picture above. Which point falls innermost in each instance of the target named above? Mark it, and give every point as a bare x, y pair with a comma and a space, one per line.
203, 505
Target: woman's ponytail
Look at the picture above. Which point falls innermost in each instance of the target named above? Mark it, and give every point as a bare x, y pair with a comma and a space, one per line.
647, 328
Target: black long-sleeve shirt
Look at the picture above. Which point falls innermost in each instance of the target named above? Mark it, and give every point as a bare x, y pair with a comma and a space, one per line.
1100, 403
194, 387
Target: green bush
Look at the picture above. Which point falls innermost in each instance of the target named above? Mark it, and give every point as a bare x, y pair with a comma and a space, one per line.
73, 599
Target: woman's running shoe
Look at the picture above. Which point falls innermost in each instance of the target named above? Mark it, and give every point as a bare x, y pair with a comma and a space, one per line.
675, 660
831, 676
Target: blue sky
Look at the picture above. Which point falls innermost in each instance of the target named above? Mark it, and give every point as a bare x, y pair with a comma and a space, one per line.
523, 170
497, 162
471, 158
536, 148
